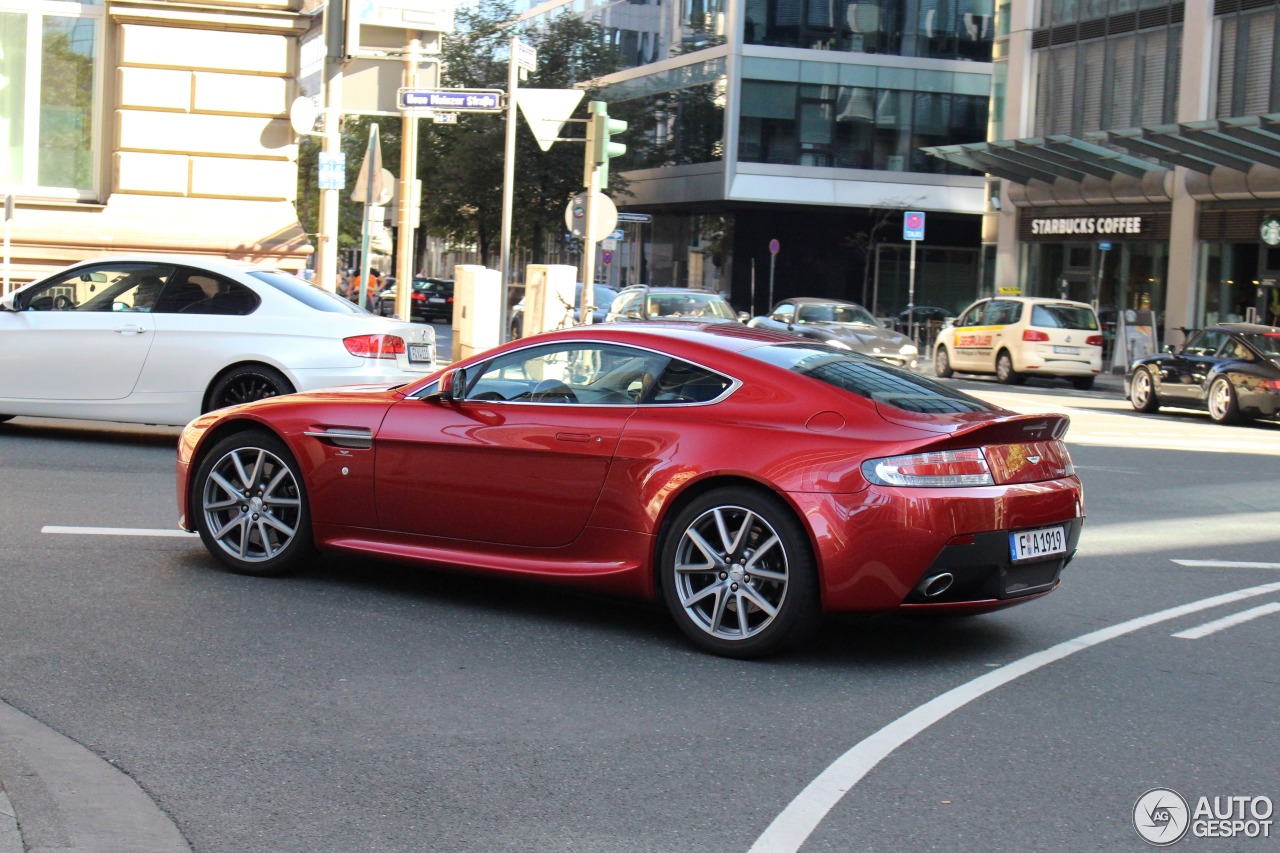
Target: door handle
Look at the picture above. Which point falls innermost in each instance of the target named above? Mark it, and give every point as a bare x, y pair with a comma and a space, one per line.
573, 436
131, 330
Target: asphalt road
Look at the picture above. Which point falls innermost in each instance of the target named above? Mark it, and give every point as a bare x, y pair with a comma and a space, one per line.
366, 706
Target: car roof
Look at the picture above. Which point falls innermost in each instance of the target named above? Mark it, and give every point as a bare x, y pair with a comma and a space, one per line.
215, 264
1038, 300
666, 289
1246, 328
818, 300
729, 337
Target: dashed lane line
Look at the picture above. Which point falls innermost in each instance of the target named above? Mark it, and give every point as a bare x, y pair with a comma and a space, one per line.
118, 531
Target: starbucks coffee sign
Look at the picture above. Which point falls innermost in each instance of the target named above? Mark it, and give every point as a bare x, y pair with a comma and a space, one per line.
1270, 231
1087, 225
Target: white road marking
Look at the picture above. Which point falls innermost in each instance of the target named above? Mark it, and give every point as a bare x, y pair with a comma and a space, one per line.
117, 531
1226, 564
802, 815
1227, 622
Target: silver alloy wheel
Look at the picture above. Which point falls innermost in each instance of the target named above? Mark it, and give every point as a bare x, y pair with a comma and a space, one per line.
1004, 367
251, 504
1220, 400
731, 572
1140, 394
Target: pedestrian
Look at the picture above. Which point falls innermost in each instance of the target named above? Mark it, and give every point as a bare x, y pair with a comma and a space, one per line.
372, 287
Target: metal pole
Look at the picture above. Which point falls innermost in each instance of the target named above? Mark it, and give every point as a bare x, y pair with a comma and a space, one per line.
327, 257
372, 168
773, 262
508, 186
911, 295
408, 177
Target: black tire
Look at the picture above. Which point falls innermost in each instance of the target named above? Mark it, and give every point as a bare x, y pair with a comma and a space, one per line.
1082, 383
249, 504
942, 363
1005, 373
246, 383
1142, 391
730, 557
1224, 406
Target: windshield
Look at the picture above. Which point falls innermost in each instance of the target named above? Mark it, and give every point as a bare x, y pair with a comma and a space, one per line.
1064, 317
868, 377
693, 305
308, 294
1267, 343
835, 313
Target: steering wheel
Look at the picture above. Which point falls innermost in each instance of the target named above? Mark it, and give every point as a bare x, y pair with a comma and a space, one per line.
552, 391
62, 302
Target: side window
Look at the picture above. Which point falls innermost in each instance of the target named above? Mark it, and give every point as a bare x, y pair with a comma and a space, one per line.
200, 292
973, 317
628, 306
784, 313
1236, 351
682, 382
1204, 343
1001, 313
101, 287
587, 374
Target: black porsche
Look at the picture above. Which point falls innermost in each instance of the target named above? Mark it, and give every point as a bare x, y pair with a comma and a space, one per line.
1230, 369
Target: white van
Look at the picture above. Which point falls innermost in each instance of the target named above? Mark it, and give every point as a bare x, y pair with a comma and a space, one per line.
1019, 336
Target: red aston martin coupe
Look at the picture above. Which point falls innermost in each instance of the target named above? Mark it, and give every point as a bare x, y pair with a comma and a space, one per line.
751, 480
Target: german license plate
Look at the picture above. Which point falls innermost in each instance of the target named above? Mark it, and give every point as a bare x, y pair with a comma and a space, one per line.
419, 354
1067, 350
436, 299
1038, 544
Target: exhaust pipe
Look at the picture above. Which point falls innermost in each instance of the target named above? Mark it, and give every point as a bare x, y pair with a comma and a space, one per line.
932, 587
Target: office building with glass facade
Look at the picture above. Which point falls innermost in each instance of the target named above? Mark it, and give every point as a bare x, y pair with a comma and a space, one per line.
796, 126
1135, 157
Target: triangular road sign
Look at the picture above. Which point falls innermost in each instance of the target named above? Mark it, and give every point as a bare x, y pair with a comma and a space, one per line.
370, 169
546, 111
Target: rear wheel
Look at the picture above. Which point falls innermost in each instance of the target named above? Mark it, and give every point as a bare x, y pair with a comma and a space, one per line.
942, 363
245, 384
738, 574
1004, 369
1142, 391
250, 506
1223, 405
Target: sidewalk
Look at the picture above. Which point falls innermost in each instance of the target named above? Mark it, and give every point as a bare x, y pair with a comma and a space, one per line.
56, 795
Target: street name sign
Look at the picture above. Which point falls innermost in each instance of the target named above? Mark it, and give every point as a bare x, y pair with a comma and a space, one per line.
452, 100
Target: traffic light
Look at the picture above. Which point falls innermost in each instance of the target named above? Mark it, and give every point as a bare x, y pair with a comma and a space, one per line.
600, 148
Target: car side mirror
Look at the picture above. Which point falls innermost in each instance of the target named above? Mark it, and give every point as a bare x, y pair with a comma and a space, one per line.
1170, 349
452, 385
9, 302
743, 316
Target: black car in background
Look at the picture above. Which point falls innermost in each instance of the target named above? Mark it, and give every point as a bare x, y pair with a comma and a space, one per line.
1231, 369
431, 300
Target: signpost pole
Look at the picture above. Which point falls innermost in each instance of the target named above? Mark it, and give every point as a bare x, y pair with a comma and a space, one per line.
408, 177
774, 248
508, 185
912, 232
331, 144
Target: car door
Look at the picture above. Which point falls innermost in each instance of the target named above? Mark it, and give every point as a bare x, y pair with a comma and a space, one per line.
970, 344
521, 460
1183, 376
81, 335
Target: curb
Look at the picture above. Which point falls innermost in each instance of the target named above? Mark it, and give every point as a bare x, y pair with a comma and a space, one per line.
57, 795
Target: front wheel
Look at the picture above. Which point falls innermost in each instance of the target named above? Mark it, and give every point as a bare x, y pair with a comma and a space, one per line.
1223, 405
738, 574
942, 363
250, 507
245, 384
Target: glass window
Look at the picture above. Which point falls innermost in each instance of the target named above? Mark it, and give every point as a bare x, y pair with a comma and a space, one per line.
1002, 312
51, 65
101, 287
575, 374
868, 377
784, 313
1064, 317
973, 317
308, 294
1204, 343
202, 292
1268, 343
676, 116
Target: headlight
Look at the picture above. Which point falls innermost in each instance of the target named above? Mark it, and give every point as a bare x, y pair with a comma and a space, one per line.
908, 349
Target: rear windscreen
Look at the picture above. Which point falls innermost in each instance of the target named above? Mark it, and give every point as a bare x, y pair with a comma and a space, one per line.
1064, 317
867, 377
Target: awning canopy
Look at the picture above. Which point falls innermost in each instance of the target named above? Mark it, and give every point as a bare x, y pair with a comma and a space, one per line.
1201, 146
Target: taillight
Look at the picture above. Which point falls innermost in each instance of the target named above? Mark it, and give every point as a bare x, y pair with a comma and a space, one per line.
1034, 335
1270, 384
418, 297
940, 468
374, 346
1094, 340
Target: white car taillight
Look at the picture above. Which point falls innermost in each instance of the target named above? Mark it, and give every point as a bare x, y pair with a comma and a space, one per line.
374, 346
940, 468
